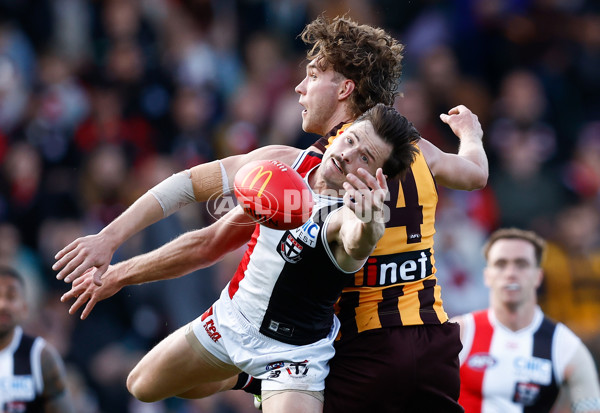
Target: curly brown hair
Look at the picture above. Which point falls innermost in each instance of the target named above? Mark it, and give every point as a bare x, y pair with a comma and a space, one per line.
364, 54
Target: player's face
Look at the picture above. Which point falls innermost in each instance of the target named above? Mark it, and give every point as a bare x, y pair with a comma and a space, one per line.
358, 147
512, 273
12, 304
319, 92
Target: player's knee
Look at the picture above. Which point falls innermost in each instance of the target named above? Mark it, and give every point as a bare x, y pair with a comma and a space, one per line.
137, 388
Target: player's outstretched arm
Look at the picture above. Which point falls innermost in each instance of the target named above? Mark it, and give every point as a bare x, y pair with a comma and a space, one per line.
57, 398
582, 381
198, 184
467, 170
189, 252
359, 225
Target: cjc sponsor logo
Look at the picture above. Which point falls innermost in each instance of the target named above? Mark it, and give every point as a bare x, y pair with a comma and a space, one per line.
534, 369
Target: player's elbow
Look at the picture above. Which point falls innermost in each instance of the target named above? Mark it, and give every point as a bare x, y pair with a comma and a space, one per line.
479, 182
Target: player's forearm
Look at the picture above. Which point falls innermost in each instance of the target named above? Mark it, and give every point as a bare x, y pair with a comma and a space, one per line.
472, 150
360, 238
174, 259
188, 252
142, 213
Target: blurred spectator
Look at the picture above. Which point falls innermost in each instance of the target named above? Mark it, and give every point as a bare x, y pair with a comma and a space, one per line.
107, 124
571, 289
21, 179
58, 106
459, 238
14, 254
527, 188
104, 184
582, 171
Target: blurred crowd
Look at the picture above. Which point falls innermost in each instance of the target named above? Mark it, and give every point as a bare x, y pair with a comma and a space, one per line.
102, 99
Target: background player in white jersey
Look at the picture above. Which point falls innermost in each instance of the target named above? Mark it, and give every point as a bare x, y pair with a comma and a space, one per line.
32, 374
514, 359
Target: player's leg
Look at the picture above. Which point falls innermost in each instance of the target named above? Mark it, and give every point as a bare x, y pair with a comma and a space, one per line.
373, 371
292, 402
438, 377
174, 368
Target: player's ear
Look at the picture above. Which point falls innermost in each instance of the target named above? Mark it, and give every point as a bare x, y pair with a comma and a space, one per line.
540, 277
486, 277
346, 88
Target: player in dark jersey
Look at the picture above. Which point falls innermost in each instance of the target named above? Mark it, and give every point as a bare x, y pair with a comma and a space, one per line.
396, 300
515, 359
32, 374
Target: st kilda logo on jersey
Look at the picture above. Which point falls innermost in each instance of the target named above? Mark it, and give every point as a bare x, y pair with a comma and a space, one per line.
290, 249
294, 241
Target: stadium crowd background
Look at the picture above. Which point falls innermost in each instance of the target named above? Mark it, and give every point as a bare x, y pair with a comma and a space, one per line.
100, 100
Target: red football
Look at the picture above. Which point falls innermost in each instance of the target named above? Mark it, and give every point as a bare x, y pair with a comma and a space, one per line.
273, 194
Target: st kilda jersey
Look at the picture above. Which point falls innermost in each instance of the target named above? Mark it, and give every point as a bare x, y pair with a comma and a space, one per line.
288, 281
397, 286
21, 382
513, 371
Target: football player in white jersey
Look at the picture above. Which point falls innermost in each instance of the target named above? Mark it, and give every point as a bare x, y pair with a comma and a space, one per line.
250, 328
32, 373
514, 359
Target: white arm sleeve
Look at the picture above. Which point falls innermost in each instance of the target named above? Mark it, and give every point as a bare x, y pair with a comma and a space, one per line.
174, 192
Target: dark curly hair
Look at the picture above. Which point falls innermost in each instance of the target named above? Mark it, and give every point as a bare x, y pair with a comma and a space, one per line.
365, 54
397, 131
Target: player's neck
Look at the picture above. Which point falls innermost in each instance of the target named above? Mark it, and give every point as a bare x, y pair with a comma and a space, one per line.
340, 116
6, 338
514, 318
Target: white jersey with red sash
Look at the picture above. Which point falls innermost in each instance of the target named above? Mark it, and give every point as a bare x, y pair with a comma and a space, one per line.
513, 371
288, 281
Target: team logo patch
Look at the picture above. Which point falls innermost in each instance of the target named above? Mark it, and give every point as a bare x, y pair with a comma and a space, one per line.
481, 361
294, 369
15, 407
526, 393
290, 249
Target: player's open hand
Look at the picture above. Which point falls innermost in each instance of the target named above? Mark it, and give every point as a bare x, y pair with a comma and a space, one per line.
84, 290
82, 255
365, 195
464, 123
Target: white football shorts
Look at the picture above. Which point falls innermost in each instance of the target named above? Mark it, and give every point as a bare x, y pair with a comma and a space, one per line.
225, 333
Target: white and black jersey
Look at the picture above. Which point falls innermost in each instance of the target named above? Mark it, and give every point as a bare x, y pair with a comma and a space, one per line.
513, 371
288, 281
21, 382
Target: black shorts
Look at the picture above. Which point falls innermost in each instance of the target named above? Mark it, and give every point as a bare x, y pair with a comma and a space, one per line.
406, 369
